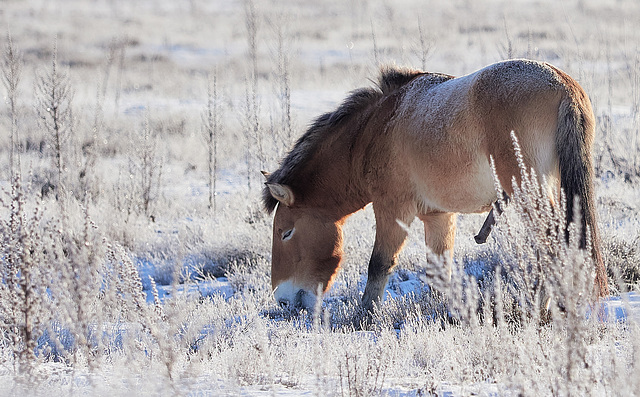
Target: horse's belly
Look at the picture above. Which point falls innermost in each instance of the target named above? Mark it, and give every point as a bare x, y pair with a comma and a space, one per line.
462, 188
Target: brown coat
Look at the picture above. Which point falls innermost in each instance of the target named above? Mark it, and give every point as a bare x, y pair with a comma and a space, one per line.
419, 145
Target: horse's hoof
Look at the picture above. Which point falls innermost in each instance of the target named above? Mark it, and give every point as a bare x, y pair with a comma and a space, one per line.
363, 321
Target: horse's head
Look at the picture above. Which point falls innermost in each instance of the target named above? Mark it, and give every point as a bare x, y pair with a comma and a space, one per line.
306, 251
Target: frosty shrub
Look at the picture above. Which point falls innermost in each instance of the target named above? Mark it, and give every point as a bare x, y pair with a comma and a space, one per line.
624, 263
532, 249
69, 296
49, 284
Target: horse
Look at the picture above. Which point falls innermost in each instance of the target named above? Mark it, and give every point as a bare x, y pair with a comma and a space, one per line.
420, 144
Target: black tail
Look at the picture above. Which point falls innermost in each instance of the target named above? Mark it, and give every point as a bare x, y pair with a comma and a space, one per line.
574, 142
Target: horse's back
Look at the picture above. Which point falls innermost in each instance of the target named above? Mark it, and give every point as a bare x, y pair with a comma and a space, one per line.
446, 132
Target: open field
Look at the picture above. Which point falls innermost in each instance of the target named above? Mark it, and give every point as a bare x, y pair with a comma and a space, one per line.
135, 252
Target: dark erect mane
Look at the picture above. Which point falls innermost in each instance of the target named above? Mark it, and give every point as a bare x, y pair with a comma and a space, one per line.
391, 79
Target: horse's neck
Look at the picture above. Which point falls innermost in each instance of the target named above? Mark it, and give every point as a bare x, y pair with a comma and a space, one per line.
336, 186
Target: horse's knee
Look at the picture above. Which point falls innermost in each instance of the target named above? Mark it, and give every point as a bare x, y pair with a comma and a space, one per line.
391, 235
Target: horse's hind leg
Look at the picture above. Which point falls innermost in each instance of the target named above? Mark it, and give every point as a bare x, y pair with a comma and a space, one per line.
440, 233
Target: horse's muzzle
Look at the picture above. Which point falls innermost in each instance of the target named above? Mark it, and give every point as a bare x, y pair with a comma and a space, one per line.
292, 297
298, 301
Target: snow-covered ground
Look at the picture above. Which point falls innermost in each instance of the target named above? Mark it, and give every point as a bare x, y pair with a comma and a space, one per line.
619, 308
136, 165
623, 307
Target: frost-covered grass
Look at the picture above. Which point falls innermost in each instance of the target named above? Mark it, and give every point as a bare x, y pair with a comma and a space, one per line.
122, 275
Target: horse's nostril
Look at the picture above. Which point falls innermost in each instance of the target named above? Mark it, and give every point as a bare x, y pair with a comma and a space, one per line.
284, 303
291, 297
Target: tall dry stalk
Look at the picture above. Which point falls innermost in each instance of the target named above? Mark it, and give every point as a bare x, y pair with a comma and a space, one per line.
87, 176
376, 51
251, 110
11, 71
212, 130
506, 49
139, 181
425, 46
53, 106
114, 49
149, 167
121, 47
282, 76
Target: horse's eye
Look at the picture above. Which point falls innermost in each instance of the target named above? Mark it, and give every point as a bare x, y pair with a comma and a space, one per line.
288, 234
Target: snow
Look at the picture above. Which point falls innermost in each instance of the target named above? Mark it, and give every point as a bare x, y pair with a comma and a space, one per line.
202, 289
625, 307
619, 308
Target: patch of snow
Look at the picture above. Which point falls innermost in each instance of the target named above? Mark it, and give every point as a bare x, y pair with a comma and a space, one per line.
622, 308
202, 289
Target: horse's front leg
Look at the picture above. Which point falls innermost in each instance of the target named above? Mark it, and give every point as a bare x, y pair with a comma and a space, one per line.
390, 238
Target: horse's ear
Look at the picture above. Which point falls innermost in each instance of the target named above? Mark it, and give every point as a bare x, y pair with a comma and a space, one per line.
265, 174
282, 193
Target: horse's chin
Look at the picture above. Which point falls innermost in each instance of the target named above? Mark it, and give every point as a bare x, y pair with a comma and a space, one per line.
291, 296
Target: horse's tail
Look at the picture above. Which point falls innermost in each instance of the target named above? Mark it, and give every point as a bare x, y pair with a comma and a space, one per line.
574, 143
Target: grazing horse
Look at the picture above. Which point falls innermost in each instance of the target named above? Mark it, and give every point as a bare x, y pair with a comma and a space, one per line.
419, 145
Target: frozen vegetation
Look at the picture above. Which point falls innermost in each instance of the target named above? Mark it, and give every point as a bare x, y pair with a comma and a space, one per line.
135, 255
